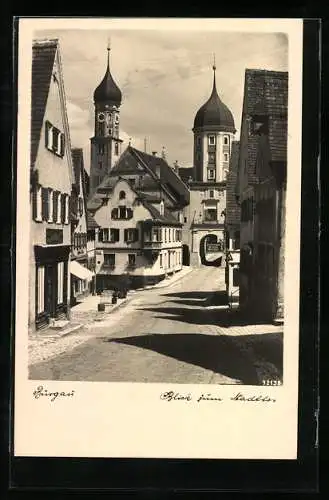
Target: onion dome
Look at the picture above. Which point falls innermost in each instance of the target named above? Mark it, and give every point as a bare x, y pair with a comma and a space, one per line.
108, 91
214, 114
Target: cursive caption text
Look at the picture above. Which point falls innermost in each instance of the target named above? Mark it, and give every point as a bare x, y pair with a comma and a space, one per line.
176, 396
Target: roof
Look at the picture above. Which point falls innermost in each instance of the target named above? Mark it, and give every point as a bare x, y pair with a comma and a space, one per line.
214, 113
168, 176
108, 91
133, 161
91, 223
166, 218
78, 165
232, 208
185, 173
266, 94
43, 57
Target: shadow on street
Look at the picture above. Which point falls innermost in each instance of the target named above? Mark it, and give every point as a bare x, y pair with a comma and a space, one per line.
222, 354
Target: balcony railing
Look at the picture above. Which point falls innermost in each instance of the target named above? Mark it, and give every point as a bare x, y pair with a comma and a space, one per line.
152, 244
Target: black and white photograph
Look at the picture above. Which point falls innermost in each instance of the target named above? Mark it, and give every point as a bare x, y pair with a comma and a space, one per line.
156, 208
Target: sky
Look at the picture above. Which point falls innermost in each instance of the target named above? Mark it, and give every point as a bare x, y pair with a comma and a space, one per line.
164, 76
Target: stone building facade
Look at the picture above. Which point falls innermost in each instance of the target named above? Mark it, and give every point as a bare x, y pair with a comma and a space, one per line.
261, 189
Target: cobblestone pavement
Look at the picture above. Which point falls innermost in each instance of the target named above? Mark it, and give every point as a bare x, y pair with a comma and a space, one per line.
167, 335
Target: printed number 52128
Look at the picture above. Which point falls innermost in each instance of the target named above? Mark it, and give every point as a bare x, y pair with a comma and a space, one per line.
272, 382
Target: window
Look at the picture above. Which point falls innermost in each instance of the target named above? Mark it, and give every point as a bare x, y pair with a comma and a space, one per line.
55, 140
131, 260
104, 234
225, 157
131, 235
109, 260
225, 140
211, 193
161, 263
101, 128
122, 213
211, 174
40, 289
211, 140
114, 235
60, 282
165, 235
185, 219
211, 158
156, 234
198, 141
132, 181
101, 149
100, 165
116, 149
210, 214
122, 195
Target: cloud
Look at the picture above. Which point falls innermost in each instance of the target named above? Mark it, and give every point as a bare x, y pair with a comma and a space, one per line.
165, 76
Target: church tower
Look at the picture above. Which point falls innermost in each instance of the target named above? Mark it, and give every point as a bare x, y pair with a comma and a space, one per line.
213, 134
105, 146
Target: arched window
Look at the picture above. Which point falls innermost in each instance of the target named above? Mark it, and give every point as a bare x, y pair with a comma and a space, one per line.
122, 195
225, 139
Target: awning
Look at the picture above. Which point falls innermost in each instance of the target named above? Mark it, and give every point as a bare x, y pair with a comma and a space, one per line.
79, 271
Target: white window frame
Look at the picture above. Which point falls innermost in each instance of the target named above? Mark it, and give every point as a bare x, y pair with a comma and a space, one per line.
67, 199
160, 261
211, 140
59, 209
50, 205
211, 171
226, 140
226, 157
41, 289
38, 201
60, 282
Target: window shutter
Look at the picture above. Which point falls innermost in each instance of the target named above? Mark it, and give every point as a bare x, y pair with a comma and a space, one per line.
117, 235
63, 206
136, 235
62, 144
44, 198
126, 235
47, 135
100, 235
34, 203
55, 203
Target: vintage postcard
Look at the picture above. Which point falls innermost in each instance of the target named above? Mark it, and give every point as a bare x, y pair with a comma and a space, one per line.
158, 238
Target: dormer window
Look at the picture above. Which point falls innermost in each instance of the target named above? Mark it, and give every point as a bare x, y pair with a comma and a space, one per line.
122, 195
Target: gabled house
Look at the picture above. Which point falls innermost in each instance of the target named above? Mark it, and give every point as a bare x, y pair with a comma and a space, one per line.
51, 179
135, 239
81, 276
261, 192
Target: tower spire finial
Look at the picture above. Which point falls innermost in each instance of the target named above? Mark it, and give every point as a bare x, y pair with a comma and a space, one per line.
108, 50
214, 90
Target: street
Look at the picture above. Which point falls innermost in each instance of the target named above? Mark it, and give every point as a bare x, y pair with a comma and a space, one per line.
168, 335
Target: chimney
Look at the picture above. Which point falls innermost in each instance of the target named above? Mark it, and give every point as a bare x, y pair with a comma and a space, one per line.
154, 153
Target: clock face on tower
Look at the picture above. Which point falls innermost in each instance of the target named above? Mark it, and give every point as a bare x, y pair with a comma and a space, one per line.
101, 117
